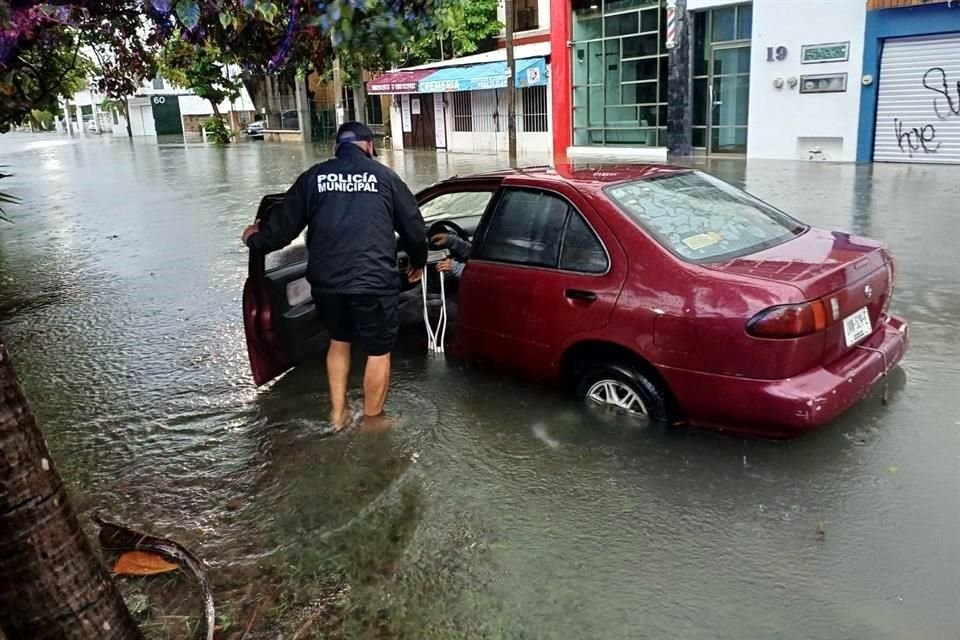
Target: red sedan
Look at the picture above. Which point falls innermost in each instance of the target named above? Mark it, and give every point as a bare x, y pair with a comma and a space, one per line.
653, 290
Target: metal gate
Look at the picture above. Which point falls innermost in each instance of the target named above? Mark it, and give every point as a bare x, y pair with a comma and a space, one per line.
918, 101
166, 114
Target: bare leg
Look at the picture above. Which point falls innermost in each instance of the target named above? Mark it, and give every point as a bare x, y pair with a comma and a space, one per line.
338, 372
376, 383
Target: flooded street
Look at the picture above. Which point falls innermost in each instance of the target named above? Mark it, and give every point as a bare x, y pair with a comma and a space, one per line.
494, 509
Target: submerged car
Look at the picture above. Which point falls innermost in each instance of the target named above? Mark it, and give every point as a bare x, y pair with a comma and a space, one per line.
653, 290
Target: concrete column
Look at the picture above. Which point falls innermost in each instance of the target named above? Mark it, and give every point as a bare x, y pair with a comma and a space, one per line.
96, 112
303, 109
83, 130
679, 89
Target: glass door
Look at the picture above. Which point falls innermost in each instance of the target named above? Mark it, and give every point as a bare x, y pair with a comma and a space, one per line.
729, 98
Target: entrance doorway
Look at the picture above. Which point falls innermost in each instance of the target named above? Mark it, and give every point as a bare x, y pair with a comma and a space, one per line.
729, 99
423, 132
166, 115
721, 83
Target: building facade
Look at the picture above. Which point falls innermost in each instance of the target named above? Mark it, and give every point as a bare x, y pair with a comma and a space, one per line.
460, 105
765, 79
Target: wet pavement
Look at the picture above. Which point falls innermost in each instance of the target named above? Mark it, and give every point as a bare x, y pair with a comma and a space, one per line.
495, 509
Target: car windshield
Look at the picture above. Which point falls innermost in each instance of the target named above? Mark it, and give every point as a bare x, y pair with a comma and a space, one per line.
701, 218
456, 205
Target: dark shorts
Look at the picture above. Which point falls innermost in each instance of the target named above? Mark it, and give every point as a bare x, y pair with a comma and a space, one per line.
370, 320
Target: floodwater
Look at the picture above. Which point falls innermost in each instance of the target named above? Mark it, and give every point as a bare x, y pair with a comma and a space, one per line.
494, 509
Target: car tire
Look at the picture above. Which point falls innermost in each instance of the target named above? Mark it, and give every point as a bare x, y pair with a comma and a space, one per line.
634, 393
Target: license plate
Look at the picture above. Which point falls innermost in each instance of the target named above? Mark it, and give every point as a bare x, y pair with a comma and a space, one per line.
856, 327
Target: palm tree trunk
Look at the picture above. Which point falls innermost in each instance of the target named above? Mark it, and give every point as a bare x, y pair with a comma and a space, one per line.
53, 584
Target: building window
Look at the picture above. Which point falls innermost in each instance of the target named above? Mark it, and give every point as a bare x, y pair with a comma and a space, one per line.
462, 111
534, 108
619, 72
526, 228
525, 16
374, 110
158, 83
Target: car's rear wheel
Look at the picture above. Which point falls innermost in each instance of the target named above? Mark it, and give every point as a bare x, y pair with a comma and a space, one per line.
624, 389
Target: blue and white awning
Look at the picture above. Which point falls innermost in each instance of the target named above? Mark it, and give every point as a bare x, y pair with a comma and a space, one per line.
530, 72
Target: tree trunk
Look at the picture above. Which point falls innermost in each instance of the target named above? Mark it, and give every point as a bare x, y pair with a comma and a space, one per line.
256, 89
126, 115
216, 109
53, 585
360, 101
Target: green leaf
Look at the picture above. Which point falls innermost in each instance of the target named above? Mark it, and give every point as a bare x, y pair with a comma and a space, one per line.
269, 11
225, 20
189, 13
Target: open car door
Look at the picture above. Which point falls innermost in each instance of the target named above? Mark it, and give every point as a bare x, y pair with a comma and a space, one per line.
279, 316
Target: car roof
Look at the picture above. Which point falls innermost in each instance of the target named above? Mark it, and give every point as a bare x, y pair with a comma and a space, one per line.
584, 176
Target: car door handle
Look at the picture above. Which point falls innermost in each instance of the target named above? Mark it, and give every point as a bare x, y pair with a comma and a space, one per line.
580, 294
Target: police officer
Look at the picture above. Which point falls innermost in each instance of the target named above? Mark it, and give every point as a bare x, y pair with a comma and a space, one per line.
351, 205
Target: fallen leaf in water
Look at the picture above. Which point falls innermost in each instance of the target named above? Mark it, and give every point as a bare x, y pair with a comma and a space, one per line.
892, 470
142, 563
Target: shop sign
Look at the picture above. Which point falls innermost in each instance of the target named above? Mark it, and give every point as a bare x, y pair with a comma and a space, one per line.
830, 52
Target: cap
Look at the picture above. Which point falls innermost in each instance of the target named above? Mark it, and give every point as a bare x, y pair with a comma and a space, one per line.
354, 131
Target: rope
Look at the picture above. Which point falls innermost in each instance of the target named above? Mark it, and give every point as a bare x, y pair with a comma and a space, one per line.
886, 382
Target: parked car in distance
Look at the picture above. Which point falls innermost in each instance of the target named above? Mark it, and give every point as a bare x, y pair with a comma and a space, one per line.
255, 129
289, 119
651, 290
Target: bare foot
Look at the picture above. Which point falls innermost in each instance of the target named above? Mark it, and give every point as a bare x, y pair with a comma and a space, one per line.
376, 424
340, 421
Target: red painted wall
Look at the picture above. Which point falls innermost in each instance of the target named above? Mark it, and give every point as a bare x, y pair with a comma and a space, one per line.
561, 87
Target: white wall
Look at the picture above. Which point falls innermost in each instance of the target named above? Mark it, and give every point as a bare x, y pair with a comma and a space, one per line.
191, 105
779, 118
141, 119
529, 144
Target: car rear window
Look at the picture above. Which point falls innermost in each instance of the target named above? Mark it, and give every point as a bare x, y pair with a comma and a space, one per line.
701, 218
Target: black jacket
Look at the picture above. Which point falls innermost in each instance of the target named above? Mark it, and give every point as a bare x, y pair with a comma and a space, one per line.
351, 205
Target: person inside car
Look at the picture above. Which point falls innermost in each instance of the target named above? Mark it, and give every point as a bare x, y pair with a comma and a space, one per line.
459, 253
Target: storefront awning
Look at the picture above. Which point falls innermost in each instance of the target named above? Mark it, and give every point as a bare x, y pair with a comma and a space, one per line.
398, 81
530, 72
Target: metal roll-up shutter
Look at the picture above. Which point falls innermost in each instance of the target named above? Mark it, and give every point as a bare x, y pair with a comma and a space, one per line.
918, 101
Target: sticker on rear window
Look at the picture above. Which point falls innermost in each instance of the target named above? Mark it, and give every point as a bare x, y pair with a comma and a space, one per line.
702, 240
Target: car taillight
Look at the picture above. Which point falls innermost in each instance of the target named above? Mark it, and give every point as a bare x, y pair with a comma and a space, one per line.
789, 320
891, 272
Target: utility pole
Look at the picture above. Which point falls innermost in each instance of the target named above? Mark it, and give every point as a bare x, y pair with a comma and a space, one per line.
511, 86
339, 109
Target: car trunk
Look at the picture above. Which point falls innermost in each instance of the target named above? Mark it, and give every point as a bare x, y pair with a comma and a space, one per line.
847, 273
